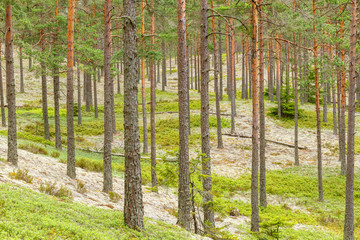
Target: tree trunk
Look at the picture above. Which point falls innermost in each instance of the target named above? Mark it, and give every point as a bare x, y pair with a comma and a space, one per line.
10, 88
143, 87
243, 70
88, 92
318, 119
45, 113
153, 103
118, 78
79, 93
325, 101
108, 133
342, 137
21, 72
163, 83
30, 63
349, 203
195, 70
255, 124
56, 83
271, 72
216, 84
184, 205
3, 117
278, 90
95, 96
170, 61
205, 134
295, 71
133, 204
70, 93
263, 202
220, 64
198, 69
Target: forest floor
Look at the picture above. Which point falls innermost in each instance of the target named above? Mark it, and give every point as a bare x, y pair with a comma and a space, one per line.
292, 191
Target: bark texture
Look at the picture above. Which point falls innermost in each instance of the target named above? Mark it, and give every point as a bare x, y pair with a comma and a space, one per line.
10, 88
349, 202
205, 134
184, 205
133, 204
108, 184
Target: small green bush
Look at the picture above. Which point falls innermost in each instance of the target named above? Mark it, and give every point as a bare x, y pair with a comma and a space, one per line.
22, 175
55, 154
80, 187
114, 197
51, 189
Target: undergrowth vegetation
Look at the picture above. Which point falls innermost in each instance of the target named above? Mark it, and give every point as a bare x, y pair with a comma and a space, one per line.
48, 218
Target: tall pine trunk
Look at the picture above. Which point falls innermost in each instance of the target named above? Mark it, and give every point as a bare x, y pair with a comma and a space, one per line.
133, 204
255, 123
349, 206
295, 71
153, 103
45, 113
184, 204
263, 202
108, 133
163, 82
12, 155
216, 83
342, 137
70, 93
318, 119
3, 117
143, 90
220, 64
21, 72
56, 83
79, 93
205, 134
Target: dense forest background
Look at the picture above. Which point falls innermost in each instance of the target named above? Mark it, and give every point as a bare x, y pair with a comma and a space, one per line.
231, 119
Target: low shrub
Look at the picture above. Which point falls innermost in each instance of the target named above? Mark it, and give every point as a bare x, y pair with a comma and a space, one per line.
22, 175
51, 189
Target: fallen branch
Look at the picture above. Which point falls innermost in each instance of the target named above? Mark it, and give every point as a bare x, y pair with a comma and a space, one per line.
122, 155
226, 114
267, 140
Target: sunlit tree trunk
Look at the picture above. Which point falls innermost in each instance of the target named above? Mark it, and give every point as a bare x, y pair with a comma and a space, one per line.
143, 88
342, 137
255, 123
70, 93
